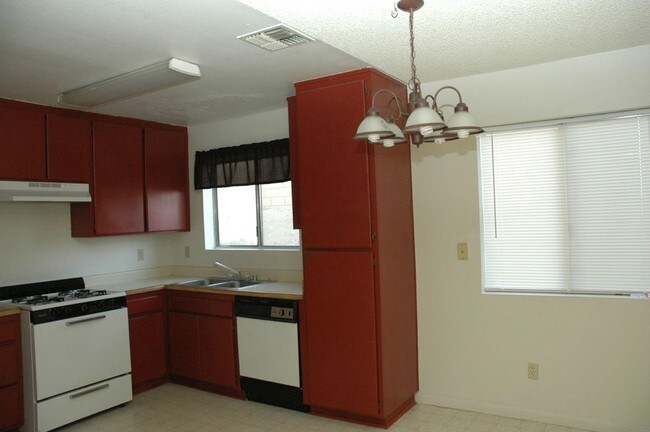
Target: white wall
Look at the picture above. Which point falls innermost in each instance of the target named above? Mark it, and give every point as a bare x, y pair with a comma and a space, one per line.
36, 245
594, 354
274, 264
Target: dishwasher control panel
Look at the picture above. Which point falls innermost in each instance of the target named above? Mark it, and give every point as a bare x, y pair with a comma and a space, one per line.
282, 312
266, 308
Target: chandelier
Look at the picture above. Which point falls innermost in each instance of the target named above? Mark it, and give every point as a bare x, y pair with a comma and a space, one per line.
424, 122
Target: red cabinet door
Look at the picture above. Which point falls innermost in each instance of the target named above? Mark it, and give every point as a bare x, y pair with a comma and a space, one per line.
148, 348
342, 341
69, 156
217, 344
334, 171
22, 144
11, 387
294, 162
166, 180
11, 408
184, 343
119, 188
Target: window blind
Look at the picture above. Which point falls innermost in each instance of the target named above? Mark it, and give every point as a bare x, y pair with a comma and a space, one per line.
566, 208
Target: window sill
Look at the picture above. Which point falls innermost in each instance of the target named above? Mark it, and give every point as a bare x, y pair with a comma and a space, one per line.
635, 296
255, 248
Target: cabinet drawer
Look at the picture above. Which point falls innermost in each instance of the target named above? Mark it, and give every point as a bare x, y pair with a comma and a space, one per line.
145, 303
8, 331
9, 360
203, 305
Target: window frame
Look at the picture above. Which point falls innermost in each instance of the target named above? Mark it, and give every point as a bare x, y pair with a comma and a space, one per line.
259, 227
613, 293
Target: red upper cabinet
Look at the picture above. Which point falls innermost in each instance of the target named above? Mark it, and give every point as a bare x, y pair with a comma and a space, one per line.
333, 168
293, 159
119, 187
22, 143
69, 155
166, 179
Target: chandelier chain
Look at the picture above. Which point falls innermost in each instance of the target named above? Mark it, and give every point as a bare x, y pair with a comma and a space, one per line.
414, 83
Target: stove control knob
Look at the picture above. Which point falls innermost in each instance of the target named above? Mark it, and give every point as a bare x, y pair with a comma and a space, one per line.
56, 312
67, 309
84, 308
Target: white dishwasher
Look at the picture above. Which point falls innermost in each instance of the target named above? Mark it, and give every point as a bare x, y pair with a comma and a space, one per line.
269, 351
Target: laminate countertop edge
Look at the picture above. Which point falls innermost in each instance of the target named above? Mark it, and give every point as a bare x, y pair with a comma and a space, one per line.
278, 290
7, 312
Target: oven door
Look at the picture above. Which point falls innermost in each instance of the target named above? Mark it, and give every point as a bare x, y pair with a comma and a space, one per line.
80, 351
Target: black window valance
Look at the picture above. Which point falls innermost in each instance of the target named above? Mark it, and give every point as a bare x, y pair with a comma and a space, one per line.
257, 163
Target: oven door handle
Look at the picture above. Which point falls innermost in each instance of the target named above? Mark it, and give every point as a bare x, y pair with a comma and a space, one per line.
86, 320
92, 390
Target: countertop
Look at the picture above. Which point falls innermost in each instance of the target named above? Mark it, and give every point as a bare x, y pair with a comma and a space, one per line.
5, 312
282, 290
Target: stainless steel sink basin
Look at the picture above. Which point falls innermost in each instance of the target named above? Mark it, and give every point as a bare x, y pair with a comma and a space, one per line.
219, 283
203, 282
235, 284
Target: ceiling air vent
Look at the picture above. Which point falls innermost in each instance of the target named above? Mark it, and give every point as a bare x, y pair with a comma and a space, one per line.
276, 37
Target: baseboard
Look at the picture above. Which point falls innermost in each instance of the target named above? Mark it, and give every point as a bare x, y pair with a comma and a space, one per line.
525, 413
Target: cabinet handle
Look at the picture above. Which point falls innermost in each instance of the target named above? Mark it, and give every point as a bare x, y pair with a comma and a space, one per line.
92, 390
85, 320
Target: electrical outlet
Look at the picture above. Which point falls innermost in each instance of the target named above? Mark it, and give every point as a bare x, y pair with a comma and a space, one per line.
140, 254
462, 251
533, 371
187, 251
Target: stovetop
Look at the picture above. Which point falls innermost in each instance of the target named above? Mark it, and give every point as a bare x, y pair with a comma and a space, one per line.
45, 295
63, 296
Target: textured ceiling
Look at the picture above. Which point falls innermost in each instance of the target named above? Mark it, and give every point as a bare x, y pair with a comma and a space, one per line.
465, 37
51, 46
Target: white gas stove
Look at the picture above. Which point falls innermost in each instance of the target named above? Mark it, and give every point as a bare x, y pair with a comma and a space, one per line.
76, 356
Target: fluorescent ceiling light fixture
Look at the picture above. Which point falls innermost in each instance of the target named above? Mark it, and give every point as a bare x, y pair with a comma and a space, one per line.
146, 80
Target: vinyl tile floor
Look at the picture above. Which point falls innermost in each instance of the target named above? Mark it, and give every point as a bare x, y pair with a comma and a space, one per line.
174, 408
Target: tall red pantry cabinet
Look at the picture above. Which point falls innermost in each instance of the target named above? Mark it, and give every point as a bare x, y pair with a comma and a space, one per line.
356, 214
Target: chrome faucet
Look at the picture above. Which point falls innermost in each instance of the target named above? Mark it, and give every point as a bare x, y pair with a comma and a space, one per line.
230, 269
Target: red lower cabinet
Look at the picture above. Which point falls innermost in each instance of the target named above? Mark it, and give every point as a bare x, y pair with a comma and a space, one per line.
148, 336
11, 381
342, 336
202, 342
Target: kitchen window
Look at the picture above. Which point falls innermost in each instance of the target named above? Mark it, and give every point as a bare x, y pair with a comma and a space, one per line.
250, 216
247, 195
565, 207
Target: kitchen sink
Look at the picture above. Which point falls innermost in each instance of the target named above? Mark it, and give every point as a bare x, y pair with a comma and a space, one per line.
235, 284
203, 282
219, 283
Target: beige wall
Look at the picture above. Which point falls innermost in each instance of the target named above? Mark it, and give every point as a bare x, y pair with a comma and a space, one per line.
36, 245
594, 354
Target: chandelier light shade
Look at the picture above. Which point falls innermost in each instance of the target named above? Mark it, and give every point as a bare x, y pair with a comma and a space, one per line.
398, 137
463, 123
424, 122
373, 127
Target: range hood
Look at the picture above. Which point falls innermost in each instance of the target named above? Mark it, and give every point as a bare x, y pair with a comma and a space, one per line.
24, 191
